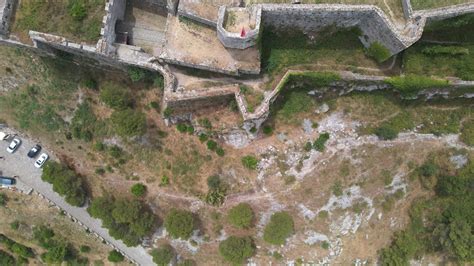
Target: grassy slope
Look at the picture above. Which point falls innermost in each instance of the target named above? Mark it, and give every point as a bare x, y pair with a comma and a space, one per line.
55, 17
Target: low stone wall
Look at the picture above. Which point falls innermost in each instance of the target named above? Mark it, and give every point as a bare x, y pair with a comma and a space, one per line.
234, 40
115, 10
445, 12
6, 12
407, 9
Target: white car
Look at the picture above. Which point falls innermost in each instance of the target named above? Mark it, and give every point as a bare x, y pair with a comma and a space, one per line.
41, 160
14, 145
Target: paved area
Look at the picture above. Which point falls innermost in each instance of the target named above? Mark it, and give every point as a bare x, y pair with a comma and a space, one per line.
18, 164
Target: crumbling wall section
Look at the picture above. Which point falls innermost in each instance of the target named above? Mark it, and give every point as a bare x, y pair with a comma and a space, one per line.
115, 10
234, 40
6, 12
372, 21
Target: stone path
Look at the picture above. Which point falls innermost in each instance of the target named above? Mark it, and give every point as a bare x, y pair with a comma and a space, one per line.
18, 164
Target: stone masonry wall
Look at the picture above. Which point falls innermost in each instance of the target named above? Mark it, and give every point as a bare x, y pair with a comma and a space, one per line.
370, 19
115, 10
234, 40
6, 10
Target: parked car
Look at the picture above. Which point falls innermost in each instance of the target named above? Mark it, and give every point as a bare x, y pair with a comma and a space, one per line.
34, 151
7, 181
4, 136
14, 145
41, 160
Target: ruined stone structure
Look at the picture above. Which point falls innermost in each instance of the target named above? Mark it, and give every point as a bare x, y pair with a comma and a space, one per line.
207, 42
6, 10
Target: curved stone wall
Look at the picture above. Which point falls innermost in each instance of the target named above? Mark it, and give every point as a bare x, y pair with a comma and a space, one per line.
234, 40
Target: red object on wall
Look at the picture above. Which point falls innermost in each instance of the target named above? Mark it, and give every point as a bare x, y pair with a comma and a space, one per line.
242, 32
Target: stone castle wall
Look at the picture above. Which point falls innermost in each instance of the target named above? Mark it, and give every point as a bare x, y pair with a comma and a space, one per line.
115, 10
6, 10
372, 21
234, 40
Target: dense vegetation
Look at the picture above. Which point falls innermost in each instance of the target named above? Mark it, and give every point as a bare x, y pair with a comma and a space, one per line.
115, 256
65, 182
163, 255
75, 19
127, 219
129, 123
237, 249
138, 190
443, 223
115, 96
410, 85
378, 52
179, 223
22, 251
279, 228
249, 162
241, 216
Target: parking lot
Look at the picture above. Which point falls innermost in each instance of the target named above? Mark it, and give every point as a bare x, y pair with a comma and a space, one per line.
29, 177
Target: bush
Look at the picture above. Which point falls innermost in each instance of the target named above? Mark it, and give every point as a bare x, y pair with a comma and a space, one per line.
163, 255
83, 123
378, 52
136, 74
211, 145
115, 256
241, 216
214, 182
6, 259
320, 143
237, 249
386, 133
85, 249
308, 146
129, 123
115, 96
65, 182
181, 128
220, 151
410, 85
204, 122
279, 228
179, 224
127, 219
267, 130
249, 162
337, 188
138, 190
203, 137
167, 112
15, 225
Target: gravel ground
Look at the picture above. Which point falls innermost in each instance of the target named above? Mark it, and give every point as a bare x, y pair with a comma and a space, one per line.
18, 164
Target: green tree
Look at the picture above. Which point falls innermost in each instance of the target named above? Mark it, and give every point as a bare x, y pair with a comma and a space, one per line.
163, 255
237, 249
116, 97
386, 132
179, 223
65, 182
56, 253
138, 190
241, 216
129, 123
378, 52
115, 256
279, 228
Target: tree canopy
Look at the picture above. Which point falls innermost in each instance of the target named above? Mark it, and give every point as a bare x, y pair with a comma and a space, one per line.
241, 216
163, 255
179, 223
65, 182
279, 228
237, 249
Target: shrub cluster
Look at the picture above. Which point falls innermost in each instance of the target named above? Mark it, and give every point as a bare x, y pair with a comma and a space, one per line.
116, 97
65, 182
115, 256
237, 249
448, 230
17, 248
57, 250
163, 255
83, 123
138, 190
319, 144
241, 216
6, 259
378, 52
129, 123
279, 228
127, 219
179, 223
216, 190
249, 162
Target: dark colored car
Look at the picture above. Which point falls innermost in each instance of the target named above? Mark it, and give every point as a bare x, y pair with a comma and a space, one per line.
34, 151
7, 181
